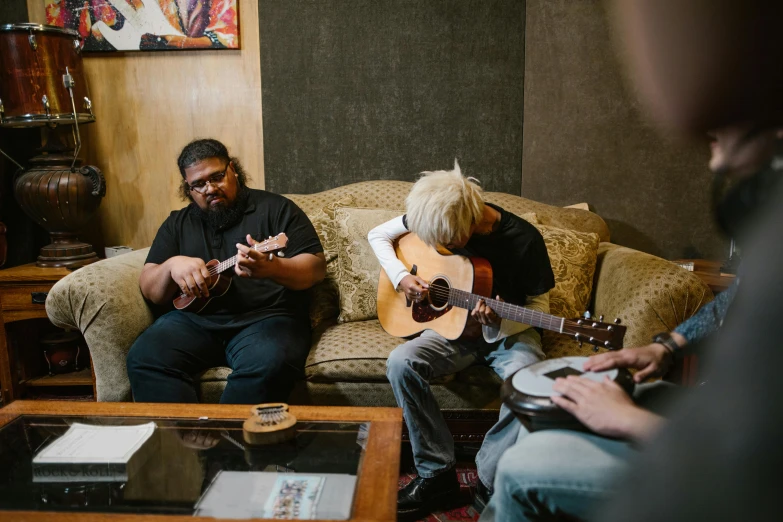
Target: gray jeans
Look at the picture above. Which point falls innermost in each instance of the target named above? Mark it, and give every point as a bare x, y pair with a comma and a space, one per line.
411, 367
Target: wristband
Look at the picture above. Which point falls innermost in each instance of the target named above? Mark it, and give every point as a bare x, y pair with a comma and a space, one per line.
666, 339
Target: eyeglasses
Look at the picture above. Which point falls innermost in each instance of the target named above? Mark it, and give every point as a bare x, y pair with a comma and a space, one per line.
217, 178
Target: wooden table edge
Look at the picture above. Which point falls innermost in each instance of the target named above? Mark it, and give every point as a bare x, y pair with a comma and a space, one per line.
379, 465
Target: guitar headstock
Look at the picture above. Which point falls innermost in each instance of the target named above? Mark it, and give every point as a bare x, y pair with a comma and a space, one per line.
597, 333
272, 244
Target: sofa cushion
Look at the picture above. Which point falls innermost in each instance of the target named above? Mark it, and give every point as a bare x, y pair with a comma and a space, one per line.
573, 257
355, 351
359, 268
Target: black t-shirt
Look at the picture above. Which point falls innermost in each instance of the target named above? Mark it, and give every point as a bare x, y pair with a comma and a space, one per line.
247, 300
517, 254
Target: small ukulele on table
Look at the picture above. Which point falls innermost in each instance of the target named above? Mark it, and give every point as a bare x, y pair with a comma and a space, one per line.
219, 284
457, 283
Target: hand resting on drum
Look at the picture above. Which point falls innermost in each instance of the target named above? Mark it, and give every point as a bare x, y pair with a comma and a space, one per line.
605, 408
653, 360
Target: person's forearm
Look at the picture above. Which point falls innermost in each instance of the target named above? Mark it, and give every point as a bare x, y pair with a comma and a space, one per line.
381, 239
156, 284
640, 425
299, 272
708, 319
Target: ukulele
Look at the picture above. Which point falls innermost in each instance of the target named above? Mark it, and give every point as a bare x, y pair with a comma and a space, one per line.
219, 284
457, 283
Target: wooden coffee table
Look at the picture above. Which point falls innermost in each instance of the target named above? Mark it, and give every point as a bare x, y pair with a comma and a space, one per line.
326, 438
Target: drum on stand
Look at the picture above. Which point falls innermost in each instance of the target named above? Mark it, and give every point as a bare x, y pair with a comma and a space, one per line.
528, 392
42, 85
34, 59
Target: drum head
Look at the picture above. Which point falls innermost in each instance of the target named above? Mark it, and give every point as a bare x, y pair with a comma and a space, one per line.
537, 379
528, 392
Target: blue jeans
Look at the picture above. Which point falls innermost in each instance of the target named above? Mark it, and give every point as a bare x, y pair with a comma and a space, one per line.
266, 358
561, 472
412, 365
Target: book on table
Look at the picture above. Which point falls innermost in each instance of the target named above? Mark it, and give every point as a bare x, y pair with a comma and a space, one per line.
90, 453
259, 494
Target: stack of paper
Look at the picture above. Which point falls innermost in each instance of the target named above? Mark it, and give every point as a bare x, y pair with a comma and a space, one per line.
88, 453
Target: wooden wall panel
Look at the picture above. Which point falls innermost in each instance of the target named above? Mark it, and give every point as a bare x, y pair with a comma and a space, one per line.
148, 106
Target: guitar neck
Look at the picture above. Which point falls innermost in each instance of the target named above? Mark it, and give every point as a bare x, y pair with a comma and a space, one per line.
509, 311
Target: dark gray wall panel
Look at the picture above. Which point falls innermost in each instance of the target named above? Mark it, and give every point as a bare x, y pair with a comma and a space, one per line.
13, 11
585, 139
382, 89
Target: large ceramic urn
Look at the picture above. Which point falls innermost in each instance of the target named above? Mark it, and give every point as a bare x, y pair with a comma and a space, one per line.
62, 200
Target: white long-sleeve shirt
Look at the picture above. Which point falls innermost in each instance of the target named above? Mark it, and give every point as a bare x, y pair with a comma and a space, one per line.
382, 239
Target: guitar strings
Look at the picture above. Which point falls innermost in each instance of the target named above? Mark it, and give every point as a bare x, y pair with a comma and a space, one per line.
216, 269
446, 293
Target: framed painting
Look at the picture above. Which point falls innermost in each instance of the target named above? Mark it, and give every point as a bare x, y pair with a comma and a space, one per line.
149, 25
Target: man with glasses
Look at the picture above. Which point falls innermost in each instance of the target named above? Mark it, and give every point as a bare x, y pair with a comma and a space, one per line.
260, 327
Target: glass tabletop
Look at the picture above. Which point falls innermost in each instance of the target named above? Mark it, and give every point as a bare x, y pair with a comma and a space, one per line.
189, 457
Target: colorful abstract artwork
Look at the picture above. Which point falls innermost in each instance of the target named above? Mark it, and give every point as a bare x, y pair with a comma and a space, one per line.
149, 25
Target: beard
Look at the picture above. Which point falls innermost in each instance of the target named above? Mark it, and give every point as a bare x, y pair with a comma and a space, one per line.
737, 204
222, 217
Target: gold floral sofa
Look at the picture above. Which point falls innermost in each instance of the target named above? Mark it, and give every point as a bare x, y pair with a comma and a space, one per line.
346, 365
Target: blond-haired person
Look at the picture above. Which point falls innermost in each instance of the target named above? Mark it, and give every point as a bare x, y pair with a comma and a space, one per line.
444, 208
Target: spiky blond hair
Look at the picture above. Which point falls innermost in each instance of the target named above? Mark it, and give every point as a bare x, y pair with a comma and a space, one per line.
442, 206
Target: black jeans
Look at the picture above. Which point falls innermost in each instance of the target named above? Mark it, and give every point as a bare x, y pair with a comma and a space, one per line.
266, 358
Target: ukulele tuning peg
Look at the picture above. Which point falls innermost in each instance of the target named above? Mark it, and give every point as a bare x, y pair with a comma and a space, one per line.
280, 254
595, 349
601, 318
617, 321
580, 344
587, 314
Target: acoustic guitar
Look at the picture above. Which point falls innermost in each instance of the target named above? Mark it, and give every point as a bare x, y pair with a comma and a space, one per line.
457, 283
219, 284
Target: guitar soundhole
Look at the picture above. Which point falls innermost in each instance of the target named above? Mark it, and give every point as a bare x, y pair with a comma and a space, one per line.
439, 293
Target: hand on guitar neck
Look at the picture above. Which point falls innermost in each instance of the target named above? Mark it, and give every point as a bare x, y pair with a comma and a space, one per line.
415, 289
252, 262
199, 282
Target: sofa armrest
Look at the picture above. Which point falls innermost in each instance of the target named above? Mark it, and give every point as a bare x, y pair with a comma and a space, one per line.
648, 293
104, 302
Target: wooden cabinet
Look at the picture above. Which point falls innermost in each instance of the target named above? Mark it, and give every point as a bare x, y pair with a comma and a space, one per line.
23, 320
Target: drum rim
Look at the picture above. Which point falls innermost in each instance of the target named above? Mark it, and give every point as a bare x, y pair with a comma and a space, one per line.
41, 119
40, 28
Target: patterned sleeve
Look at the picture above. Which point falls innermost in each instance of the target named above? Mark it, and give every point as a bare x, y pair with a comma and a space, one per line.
710, 317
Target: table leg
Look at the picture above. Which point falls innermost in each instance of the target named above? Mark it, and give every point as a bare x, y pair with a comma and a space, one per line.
8, 377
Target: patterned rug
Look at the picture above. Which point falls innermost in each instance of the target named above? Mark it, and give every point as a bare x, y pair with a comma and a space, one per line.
462, 510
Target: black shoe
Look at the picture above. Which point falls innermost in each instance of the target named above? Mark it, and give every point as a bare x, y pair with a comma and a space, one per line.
482, 496
422, 495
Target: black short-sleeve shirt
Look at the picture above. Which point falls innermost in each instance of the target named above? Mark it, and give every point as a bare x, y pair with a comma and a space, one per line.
247, 300
518, 256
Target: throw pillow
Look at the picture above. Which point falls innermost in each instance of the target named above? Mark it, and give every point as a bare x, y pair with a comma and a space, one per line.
573, 256
324, 297
359, 268
530, 217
